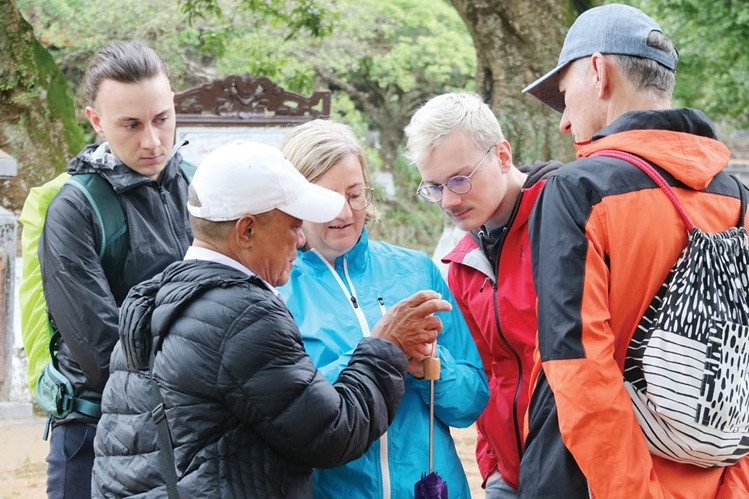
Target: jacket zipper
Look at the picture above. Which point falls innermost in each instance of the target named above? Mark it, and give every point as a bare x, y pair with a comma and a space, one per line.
164, 204
350, 291
163, 194
516, 356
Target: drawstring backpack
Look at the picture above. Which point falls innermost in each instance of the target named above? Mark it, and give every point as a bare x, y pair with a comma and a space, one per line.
687, 366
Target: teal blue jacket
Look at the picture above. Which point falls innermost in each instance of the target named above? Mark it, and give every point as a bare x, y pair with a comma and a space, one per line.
379, 275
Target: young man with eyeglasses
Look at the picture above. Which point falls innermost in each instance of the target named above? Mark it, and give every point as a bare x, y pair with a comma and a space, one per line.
466, 168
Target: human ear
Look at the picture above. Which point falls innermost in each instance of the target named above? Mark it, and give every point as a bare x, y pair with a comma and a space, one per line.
95, 120
245, 230
504, 152
600, 67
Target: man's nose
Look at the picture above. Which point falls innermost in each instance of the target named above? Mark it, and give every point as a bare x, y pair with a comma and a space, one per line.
565, 126
150, 138
449, 199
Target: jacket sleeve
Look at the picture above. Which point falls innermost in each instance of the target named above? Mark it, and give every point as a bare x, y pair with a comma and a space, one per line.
461, 393
596, 422
299, 413
317, 350
75, 286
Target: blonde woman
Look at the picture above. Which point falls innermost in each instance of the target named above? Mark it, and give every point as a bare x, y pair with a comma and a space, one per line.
340, 286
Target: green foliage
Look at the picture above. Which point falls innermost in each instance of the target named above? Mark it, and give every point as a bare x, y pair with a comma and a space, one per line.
311, 16
73, 30
714, 62
193, 36
59, 100
256, 53
403, 45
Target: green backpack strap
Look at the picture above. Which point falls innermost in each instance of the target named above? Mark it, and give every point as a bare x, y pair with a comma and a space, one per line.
111, 218
101, 196
35, 328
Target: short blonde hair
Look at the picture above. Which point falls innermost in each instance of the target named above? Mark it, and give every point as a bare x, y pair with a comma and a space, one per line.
316, 146
445, 114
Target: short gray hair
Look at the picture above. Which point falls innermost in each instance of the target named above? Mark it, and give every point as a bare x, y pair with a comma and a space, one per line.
647, 74
445, 114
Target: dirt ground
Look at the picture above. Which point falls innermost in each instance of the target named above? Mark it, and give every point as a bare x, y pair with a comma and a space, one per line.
23, 470
22, 467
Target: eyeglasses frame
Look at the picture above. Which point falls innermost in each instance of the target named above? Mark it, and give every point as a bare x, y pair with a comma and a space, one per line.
441, 187
365, 190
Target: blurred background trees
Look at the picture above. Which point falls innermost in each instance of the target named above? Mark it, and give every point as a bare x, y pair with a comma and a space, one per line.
380, 58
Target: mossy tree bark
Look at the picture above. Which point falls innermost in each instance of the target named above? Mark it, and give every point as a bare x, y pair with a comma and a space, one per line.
37, 115
516, 42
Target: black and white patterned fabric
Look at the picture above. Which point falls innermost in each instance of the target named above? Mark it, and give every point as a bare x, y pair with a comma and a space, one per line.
687, 367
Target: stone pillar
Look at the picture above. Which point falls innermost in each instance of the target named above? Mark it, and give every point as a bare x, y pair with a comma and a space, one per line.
7, 280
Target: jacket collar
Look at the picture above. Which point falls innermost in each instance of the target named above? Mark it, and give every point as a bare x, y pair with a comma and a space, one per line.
154, 304
681, 141
356, 258
98, 158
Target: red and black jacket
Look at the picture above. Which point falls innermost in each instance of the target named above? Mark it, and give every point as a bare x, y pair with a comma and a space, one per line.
500, 310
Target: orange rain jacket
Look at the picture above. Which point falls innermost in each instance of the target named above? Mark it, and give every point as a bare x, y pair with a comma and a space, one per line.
603, 238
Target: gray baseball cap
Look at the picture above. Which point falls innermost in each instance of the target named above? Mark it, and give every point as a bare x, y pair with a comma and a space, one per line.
609, 29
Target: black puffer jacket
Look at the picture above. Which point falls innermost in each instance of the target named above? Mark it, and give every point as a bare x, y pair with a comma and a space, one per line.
82, 303
249, 414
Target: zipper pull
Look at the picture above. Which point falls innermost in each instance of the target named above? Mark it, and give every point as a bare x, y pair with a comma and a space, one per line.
354, 302
382, 305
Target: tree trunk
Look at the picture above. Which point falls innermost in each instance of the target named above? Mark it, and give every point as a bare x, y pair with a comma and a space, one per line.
516, 42
37, 116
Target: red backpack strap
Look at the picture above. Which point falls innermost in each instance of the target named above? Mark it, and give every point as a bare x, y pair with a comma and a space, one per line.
657, 178
742, 197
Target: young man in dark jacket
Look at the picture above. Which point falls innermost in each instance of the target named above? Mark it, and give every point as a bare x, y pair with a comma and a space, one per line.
249, 414
131, 108
466, 168
604, 237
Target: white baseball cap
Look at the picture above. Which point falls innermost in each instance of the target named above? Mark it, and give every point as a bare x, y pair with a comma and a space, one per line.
249, 178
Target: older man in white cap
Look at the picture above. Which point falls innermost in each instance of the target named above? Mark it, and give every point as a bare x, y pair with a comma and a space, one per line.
604, 237
249, 415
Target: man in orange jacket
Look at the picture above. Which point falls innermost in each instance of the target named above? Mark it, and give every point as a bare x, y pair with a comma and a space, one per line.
603, 239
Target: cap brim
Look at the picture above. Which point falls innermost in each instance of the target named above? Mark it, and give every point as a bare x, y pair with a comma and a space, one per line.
317, 204
546, 89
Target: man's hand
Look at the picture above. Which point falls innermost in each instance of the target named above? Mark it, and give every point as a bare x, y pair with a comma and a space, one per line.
412, 325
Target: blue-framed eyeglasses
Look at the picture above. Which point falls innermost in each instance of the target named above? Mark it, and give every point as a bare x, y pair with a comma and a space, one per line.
459, 184
360, 198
